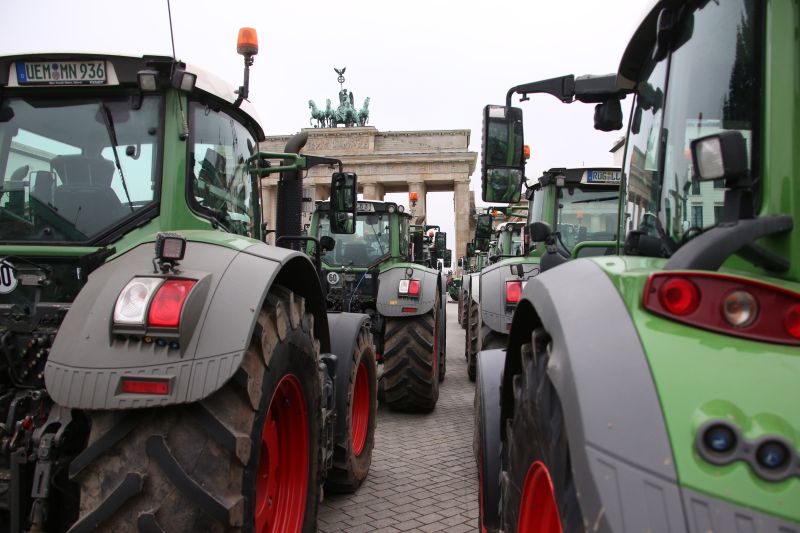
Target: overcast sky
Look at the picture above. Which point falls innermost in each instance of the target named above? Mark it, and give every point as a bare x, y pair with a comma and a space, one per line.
425, 64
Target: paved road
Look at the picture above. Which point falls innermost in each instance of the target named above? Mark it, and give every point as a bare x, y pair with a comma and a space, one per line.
423, 477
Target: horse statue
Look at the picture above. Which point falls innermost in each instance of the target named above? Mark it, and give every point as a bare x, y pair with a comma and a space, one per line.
363, 113
329, 114
317, 114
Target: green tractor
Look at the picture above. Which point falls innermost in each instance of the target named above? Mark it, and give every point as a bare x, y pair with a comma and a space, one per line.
161, 367
570, 213
656, 389
482, 249
385, 270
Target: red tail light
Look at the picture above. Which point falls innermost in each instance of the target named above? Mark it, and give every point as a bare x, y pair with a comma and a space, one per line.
679, 296
726, 304
792, 321
167, 304
513, 291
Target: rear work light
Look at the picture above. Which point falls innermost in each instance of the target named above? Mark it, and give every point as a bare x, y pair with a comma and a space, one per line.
726, 304
408, 287
513, 291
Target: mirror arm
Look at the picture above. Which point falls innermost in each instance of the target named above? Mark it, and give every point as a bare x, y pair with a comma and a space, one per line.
314, 160
562, 88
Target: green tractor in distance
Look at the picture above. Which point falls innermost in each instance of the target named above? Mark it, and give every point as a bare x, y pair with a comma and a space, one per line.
657, 389
162, 368
483, 248
384, 270
581, 207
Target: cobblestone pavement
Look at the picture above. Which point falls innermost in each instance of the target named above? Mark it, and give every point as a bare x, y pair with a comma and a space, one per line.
423, 476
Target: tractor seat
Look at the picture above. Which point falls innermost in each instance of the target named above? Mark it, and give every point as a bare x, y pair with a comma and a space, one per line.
85, 197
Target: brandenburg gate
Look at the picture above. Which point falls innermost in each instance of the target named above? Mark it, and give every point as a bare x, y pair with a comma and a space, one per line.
389, 162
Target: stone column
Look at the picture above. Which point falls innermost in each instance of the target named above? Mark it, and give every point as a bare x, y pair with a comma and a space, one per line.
373, 191
419, 210
461, 205
269, 197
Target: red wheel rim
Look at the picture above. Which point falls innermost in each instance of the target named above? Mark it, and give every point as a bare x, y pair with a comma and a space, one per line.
359, 416
282, 480
538, 512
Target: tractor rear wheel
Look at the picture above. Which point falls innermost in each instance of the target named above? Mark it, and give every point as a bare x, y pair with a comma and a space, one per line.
462, 309
245, 458
410, 358
538, 488
471, 342
352, 457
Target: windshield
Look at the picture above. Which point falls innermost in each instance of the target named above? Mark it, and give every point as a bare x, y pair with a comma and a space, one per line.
712, 86
369, 243
587, 214
61, 178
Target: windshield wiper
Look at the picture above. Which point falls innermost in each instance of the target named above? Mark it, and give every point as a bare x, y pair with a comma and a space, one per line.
112, 135
596, 200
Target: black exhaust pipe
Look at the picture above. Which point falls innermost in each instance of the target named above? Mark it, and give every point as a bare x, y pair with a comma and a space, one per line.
290, 196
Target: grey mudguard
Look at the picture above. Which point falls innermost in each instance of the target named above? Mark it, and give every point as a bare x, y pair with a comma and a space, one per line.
494, 312
344, 328
621, 455
87, 360
390, 304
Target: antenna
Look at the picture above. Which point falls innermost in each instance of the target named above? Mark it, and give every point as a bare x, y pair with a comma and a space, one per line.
171, 34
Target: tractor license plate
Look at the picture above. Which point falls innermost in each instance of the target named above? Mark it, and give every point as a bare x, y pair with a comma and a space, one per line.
61, 72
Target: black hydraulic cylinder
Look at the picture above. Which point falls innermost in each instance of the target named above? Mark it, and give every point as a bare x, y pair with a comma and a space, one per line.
290, 196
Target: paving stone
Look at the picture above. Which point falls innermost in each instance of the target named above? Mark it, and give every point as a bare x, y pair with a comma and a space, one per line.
423, 477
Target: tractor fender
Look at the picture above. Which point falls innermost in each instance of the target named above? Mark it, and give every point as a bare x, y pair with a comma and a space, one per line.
389, 303
621, 455
347, 327
90, 355
487, 436
494, 312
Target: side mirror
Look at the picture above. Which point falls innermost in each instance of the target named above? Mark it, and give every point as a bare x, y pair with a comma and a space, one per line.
483, 227
539, 231
447, 258
344, 190
327, 243
502, 154
440, 242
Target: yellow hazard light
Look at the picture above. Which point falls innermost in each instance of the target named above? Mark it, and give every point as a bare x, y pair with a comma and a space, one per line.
247, 43
526, 151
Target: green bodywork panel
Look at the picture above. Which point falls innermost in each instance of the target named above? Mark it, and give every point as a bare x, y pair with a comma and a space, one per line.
701, 375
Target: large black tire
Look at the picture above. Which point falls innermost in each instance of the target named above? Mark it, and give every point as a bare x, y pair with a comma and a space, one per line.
442, 344
537, 433
462, 309
486, 441
351, 465
471, 339
410, 359
195, 467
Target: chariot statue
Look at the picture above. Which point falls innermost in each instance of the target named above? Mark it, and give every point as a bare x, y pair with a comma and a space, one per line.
346, 113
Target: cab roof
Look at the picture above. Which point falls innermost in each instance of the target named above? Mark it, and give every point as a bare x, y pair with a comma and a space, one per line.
124, 73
